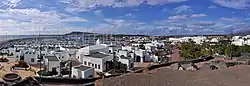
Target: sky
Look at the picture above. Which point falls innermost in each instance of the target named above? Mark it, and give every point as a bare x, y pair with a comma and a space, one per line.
148, 17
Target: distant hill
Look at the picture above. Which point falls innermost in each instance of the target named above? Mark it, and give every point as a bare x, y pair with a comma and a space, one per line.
245, 32
81, 33
78, 33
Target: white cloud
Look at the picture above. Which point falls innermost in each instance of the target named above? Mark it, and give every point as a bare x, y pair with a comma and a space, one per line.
177, 17
247, 18
228, 19
74, 19
129, 14
11, 3
155, 2
204, 23
198, 15
212, 7
113, 22
98, 13
236, 4
85, 5
182, 9
30, 21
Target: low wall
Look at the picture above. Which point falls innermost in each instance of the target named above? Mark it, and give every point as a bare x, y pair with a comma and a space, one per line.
91, 80
173, 62
70, 80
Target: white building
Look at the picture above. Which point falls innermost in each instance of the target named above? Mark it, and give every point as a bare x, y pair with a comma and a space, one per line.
238, 42
158, 43
92, 49
82, 71
30, 57
128, 48
63, 55
95, 56
96, 60
215, 40
52, 63
141, 56
12, 50
114, 49
4, 51
71, 50
129, 61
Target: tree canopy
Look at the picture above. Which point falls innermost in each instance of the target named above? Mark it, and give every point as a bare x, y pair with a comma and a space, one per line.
190, 50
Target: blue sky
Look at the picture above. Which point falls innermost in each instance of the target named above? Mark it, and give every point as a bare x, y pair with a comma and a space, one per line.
150, 17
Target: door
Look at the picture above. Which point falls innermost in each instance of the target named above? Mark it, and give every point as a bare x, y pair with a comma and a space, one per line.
54, 69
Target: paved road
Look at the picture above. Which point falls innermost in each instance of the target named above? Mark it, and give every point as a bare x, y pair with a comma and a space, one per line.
176, 55
238, 76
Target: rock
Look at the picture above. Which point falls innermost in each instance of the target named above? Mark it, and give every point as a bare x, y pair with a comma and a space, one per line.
221, 65
175, 66
213, 67
192, 66
205, 66
181, 68
247, 62
215, 62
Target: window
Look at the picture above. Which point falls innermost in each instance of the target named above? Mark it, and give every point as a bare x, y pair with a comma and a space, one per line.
89, 63
99, 67
32, 60
95, 65
92, 65
85, 63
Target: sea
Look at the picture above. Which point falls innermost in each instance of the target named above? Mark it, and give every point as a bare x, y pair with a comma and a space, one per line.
11, 37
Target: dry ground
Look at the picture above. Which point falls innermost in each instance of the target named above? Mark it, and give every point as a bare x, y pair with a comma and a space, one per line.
22, 73
234, 76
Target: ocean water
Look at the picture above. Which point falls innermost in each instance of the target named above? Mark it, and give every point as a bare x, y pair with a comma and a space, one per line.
10, 37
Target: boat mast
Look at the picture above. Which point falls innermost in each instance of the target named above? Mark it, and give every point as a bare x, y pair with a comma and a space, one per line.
40, 65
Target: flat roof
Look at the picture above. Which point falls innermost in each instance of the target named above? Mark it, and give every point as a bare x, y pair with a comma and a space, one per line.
75, 62
59, 51
82, 67
97, 55
71, 47
52, 58
123, 57
114, 46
